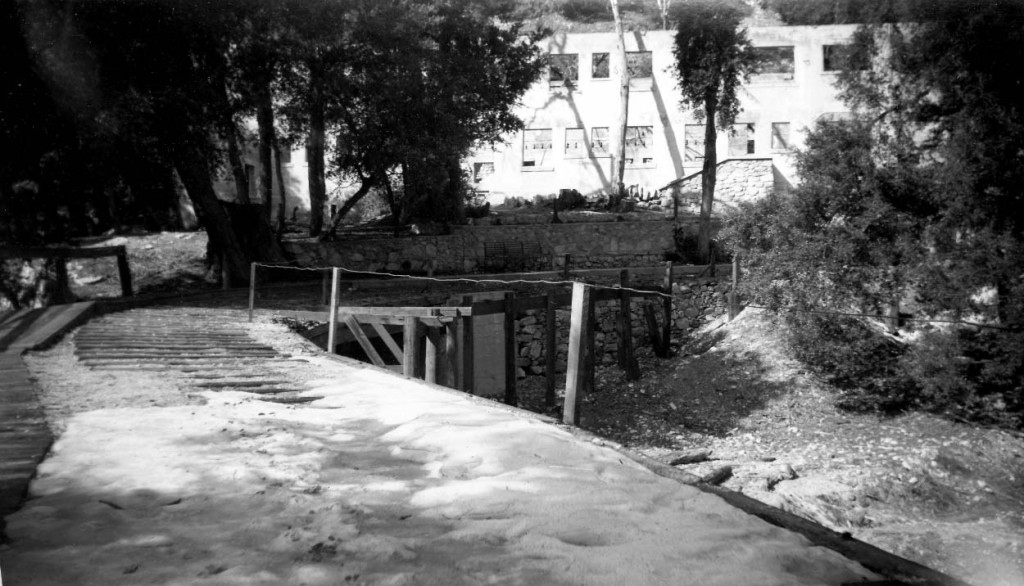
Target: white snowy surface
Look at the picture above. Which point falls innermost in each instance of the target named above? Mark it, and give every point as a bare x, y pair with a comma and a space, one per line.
383, 481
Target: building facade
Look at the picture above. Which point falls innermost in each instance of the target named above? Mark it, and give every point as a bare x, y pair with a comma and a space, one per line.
568, 115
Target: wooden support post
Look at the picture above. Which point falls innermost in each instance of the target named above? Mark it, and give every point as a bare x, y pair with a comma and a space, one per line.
652, 329
332, 319
433, 340
565, 266
61, 288
411, 346
124, 273
575, 375
550, 351
591, 349
626, 359
448, 377
225, 273
466, 347
360, 337
252, 288
666, 328
511, 354
734, 308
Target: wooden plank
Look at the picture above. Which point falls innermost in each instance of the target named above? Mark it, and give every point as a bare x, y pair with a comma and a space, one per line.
385, 335
577, 339
511, 350
733, 300
450, 352
124, 273
52, 323
433, 342
252, 289
364, 342
405, 311
666, 333
652, 329
411, 345
550, 351
333, 313
60, 252
63, 292
466, 371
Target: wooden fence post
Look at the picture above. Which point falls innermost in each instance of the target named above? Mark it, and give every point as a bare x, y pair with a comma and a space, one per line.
466, 347
124, 273
550, 351
225, 273
733, 299
448, 377
252, 288
412, 343
565, 266
511, 355
332, 319
575, 375
433, 341
626, 359
324, 288
61, 287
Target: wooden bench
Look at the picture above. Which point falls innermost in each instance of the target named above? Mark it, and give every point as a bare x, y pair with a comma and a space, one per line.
514, 255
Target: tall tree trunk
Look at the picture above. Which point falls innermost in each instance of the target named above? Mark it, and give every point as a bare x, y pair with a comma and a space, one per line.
265, 120
197, 177
618, 158
235, 161
282, 210
315, 150
708, 178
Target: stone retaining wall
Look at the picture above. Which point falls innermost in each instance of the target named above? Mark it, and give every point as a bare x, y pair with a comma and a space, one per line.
694, 304
737, 180
592, 245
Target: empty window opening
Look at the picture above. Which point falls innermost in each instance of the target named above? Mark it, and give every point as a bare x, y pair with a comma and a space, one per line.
741, 140
693, 135
536, 147
639, 145
599, 141
482, 170
575, 143
780, 137
638, 63
842, 57
563, 69
599, 66
774, 62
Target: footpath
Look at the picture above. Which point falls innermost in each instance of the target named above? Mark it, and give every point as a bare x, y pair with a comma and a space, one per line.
195, 448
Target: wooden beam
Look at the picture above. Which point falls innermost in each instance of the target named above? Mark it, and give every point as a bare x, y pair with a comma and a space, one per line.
124, 273
448, 378
550, 350
466, 372
63, 291
364, 342
252, 289
332, 318
666, 331
385, 335
433, 343
411, 345
734, 308
511, 354
406, 311
652, 329
60, 252
574, 377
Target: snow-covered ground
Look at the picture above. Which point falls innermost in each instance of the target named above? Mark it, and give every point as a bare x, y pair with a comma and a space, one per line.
383, 481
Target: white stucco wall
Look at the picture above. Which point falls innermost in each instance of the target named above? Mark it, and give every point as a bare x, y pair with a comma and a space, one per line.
655, 102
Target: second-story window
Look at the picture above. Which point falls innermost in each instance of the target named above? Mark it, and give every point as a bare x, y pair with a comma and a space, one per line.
639, 64
599, 66
741, 140
575, 143
563, 70
774, 63
840, 57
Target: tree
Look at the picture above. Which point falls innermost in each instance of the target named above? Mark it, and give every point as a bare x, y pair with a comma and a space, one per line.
618, 158
712, 58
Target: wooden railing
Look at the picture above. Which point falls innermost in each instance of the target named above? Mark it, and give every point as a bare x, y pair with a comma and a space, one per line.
62, 254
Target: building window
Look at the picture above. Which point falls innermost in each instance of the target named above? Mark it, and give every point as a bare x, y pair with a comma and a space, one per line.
842, 57
693, 135
639, 145
774, 63
536, 147
482, 170
563, 69
575, 143
780, 137
638, 63
599, 141
741, 140
599, 66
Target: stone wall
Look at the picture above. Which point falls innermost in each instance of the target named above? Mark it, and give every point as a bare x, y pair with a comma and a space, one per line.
592, 245
695, 303
737, 180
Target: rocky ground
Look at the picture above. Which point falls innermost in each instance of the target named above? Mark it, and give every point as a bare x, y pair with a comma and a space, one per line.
947, 494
